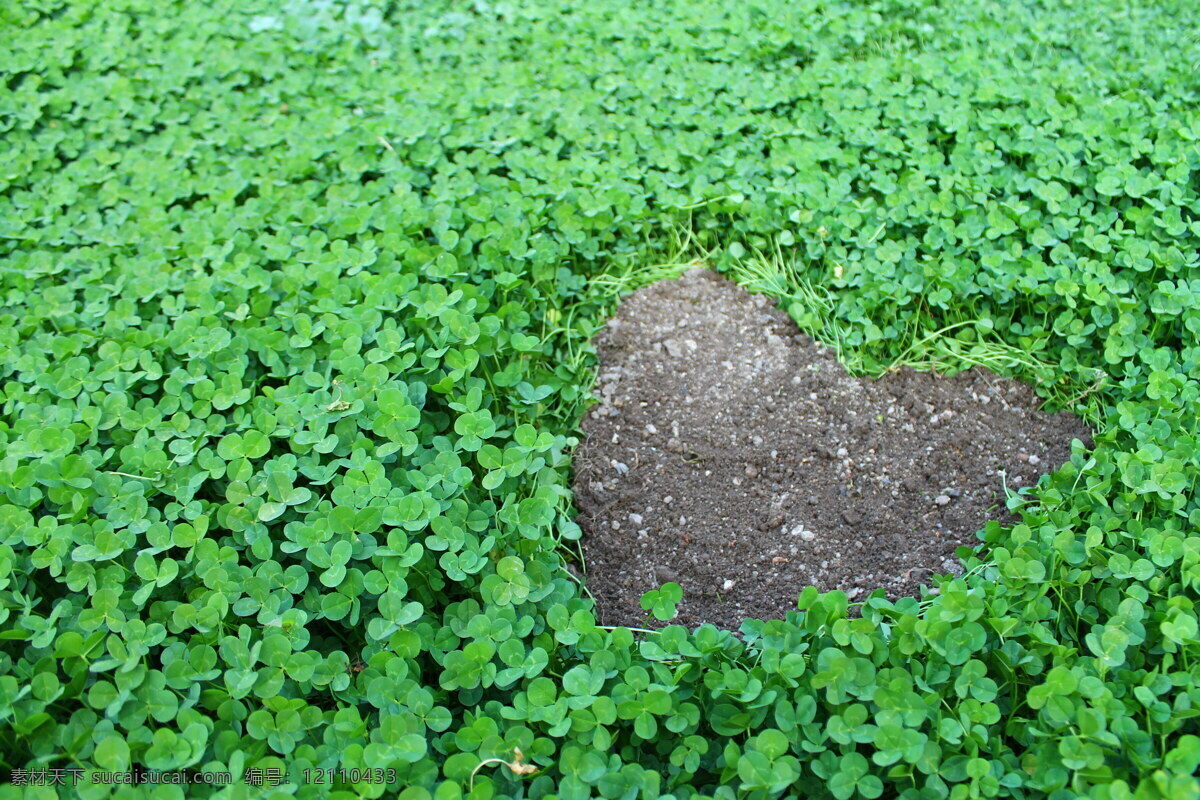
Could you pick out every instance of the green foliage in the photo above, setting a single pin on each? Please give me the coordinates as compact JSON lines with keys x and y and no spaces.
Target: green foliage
{"x":295,"y":302}
{"x":661,"y":602}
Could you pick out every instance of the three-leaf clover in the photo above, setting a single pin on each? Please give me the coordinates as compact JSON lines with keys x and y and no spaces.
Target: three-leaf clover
{"x":661,"y":602}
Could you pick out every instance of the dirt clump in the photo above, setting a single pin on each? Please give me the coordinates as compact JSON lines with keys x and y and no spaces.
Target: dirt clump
{"x":734,"y":455}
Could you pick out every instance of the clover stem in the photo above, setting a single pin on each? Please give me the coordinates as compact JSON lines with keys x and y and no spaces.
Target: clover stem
{"x":481,"y":765}
{"x":128,"y":475}
{"x":615,"y":627}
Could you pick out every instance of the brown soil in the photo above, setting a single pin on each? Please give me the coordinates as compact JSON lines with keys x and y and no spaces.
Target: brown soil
{"x":735,"y":456}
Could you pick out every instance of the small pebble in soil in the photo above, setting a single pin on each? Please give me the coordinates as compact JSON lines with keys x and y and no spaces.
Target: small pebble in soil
{"x":727,"y":585}
{"x":941,"y":500}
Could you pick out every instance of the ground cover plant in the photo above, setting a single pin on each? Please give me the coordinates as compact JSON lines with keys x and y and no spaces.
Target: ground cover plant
{"x":295,"y":302}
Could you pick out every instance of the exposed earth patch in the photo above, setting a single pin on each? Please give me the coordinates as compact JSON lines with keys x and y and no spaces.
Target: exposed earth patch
{"x":734,"y":455}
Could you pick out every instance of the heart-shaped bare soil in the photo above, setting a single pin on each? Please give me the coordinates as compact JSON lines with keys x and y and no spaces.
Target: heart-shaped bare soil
{"x":735,"y":456}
